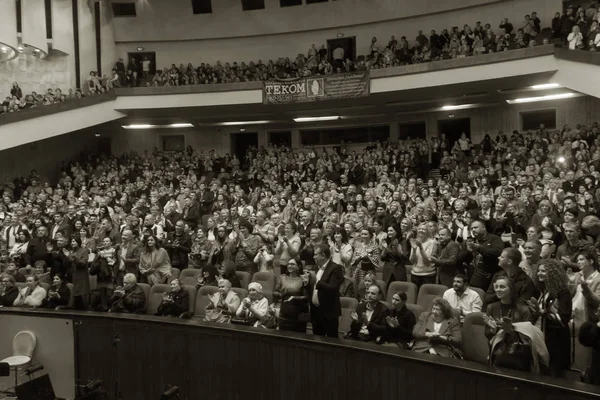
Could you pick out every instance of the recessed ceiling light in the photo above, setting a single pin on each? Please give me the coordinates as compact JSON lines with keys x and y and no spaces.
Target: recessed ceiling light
{"x":457,"y":107}
{"x":138,"y":126}
{"x":541,"y":98}
{"x":180,"y":125}
{"x":234,"y":123}
{"x":545,"y":86}
{"x":314,"y":119}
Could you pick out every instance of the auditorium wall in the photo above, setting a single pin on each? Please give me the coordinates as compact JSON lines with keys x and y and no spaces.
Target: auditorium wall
{"x":196,"y":40}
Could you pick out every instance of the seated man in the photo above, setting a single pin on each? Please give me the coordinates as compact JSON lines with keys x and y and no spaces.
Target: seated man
{"x":463,"y":298}
{"x":11,"y":269}
{"x":8,"y":290}
{"x":128,"y":299}
{"x":32,"y":295}
{"x":175,"y":302}
{"x":400,"y":323}
{"x":369,"y":319}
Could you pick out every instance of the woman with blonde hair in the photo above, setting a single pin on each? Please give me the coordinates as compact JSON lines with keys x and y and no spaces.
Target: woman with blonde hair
{"x":545,"y":214}
{"x":422,"y":248}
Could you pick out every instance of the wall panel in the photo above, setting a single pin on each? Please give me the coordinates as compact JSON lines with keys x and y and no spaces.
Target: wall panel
{"x":8,"y":28}
{"x":33,"y":14}
{"x":62,"y":26}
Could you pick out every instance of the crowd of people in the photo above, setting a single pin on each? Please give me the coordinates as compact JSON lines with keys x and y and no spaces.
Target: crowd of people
{"x":511,"y":229}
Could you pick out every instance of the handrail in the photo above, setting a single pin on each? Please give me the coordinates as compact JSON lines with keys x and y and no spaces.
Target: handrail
{"x":42,"y":111}
{"x":586,"y":57}
{"x":148,"y":323}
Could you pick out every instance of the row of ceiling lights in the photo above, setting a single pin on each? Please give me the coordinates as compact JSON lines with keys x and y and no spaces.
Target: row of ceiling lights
{"x":521,"y":100}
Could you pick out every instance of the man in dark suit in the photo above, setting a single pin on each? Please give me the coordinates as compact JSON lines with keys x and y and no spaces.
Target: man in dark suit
{"x":206,"y":199}
{"x":325,"y":307}
{"x":369,"y":319}
{"x":129,"y":299}
{"x":61,"y":224}
{"x":129,"y":256}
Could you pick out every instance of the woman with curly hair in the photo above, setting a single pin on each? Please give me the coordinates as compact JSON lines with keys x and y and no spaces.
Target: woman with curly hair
{"x":552,"y":313}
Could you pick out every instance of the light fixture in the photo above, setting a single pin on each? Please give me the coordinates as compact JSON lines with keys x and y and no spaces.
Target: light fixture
{"x":315,"y":119}
{"x":545,"y":86}
{"x":181,"y":125}
{"x":20,"y":48}
{"x":242,"y":129}
{"x":340,"y":34}
{"x":560,"y":159}
{"x":140,"y":49}
{"x":4,"y":49}
{"x":457,"y":107}
{"x":37,"y":50}
{"x":235,"y":123}
{"x":138,"y":126}
{"x":541,"y":98}
{"x":97,"y":134}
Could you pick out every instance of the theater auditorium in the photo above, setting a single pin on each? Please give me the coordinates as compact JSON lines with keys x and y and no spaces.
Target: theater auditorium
{"x":299,"y":199}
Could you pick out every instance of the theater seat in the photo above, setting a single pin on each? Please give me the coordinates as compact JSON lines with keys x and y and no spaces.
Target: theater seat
{"x":382,"y":287}
{"x":348,"y":304}
{"x":477,"y":347}
{"x":189,"y":276}
{"x":175,"y":273}
{"x":266,"y":279}
{"x":26,"y":271}
{"x":479,"y":291}
{"x":202,"y":300}
{"x":428,"y":292}
{"x":192,"y":292}
{"x":407,"y":287}
{"x":155,"y":297}
{"x":416,"y":309}
{"x":46,"y":286}
{"x":146,"y":288}
{"x":388,"y":305}
{"x":242,"y":293}
{"x":244,"y":278}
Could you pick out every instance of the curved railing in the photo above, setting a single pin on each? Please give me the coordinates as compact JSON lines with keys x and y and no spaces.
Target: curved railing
{"x":145,"y":353}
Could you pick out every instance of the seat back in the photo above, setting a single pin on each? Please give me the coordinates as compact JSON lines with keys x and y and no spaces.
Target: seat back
{"x":388,"y":305}
{"x":477,"y":347}
{"x":244,"y":278}
{"x":26,"y":271}
{"x":428,"y":292}
{"x":192,"y":293}
{"x":146,"y":288}
{"x":155,"y":297}
{"x":416,"y":309}
{"x":407,"y":287}
{"x":349,"y":304}
{"x":20,"y":285}
{"x":72,"y":297}
{"x":189,"y":276}
{"x":202,"y":300}
{"x":382,"y":288}
{"x":175,"y":273}
{"x":46,"y":286}
{"x":93,"y":282}
{"x":24,"y":344}
{"x":266,"y":279}
{"x":242,"y":293}
{"x":479,"y":291}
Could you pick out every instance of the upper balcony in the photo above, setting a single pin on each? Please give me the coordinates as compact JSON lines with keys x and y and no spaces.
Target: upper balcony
{"x":480,"y":81}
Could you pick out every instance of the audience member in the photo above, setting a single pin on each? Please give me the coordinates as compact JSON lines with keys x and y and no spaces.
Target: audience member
{"x":462,"y":298}
{"x":369,"y":320}
{"x":437,"y":331}
{"x":399,"y":324}
{"x":128,"y":299}
{"x":175,"y":302}
{"x":32,"y":295}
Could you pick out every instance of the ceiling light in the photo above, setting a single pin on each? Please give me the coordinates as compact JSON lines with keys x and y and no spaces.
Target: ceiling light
{"x":242,"y":129}
{"x":20,"y":48}
{"x":140,"y":49}
{"x":545,"y":86}
{"x":457,"y":107}
{"x":234,"y":123}
{"x":138,"y":126}
{"x":181,"y":125}
{"x":37,"y":50}
{"x":4,"y":49}
{"x":541,"y":98}
{"x":314,"y":119}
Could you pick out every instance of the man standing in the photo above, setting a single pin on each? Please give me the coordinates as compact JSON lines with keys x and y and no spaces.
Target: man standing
{"x":509,"y":261}
{"x":129,"y":256}
{"x":447,"y":263}
{"x":178,"y":245}
{"x":325,"y":307}
{"x":484,"y":250}
{"x":462,"y":298}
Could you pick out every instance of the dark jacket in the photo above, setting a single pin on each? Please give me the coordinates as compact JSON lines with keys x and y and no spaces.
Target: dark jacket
{"x":524,"y":287}
{"x":448,"y":263}
{"x":178,"y":248}
{"x":36,"y":250}
{"x":377,"y":324}
{"x":132,"y":257}
{"x":64,"y":296}
{"x":9,"y":296}
{"x":179,"y":305}
{"x":133,"y":301}
{"x":518,"y":313}
{"x":328,"y":290}
{"x":485,"y":260}
{"x":402,"y":334}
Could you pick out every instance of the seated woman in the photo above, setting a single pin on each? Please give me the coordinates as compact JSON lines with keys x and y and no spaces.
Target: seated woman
{"x":500,"y":319}
{"x":175,"y":302}
{"x":293,"y":293}
{"x":32,"y":295}
{"x":224,"y":303}
{"x":254,"y":307}
{"x":437,"y":330}
{"x":59,"y":293}
{"x":40,"y":270}
{"x":208,"y":277}
{"x":400,"y":323}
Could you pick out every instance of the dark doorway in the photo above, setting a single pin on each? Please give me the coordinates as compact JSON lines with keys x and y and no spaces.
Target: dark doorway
{"x":144,"y":64}
{"x":453,"y":128}
{"x":241,"y":142}
{"x":348,"y":45}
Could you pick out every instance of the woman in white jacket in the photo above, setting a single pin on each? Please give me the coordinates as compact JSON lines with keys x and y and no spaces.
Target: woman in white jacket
{"x":32,"y":295}
{"x":575,"y":39}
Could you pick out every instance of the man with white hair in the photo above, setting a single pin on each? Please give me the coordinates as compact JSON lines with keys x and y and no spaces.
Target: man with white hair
{"x":130,"y":298}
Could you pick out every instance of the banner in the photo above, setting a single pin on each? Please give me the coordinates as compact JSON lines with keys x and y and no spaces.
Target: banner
{"x":317,"y":88}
